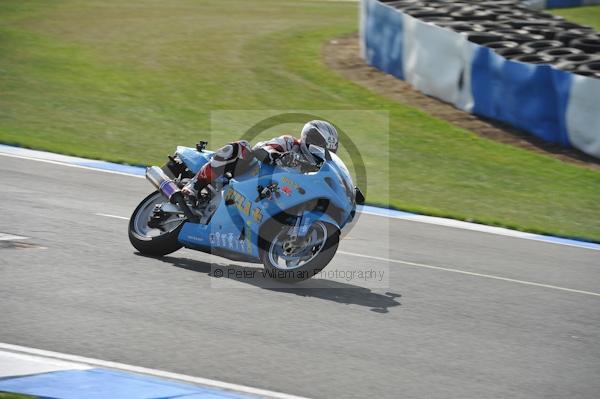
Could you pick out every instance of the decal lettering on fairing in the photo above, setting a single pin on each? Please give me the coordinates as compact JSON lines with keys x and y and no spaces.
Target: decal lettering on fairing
{"x":257,"y":215}
{"x":286,"y":190}
{"x":242,"y":203}
{"x":226,"y":240}
{"x":292,"y":183}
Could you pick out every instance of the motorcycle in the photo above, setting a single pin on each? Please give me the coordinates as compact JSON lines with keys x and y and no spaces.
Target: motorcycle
{"x":287,"y":217}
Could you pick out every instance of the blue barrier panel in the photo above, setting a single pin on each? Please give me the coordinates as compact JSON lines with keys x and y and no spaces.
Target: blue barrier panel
{"x":563,"y":3}
{"x":541,"y":4}
{"x":527,"y":96}
{"x":383,"y":38}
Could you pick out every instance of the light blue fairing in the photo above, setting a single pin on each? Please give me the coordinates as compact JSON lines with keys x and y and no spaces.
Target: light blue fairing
{"x":245,"y":214}
{"x":193,"y":159}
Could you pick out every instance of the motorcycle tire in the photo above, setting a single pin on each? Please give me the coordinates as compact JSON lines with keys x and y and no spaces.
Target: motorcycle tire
{"x":593,"y":66}
{"x":541,"y":45}
{"x":510,"y":31}
{"x":152,"y":245}
{"x":547,"y":33}
{"x":534,"y":59}
{"x":525,"y":23}
{"x":559,"y":52}
{"x":587,"y":44}
{"x":571,"y":62}
{"x":458,"y":8}
{"x":498,"y":5}
{"x":417,"y":8}
{"x":269,"y":234}
{"x":583,"y":31}
{"x":482,"y":37}
{"x":459,"y":26}
{"x":521,"y":38}
{"x":493,"y":25}
{"x":502,"y":44}
{"x":401,"y":5}
{"x":398,"y":4}
{"x":513,"y":52}
{"x":567,"y":25}
{"x":504,"y":15}
{"x":473,"y":16}
{"x":566,"y":36}
{"x":435,"y":20}
{"x":588,"y":74}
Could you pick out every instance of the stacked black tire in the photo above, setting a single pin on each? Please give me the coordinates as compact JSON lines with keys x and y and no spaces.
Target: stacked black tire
{"x":514,"y":31}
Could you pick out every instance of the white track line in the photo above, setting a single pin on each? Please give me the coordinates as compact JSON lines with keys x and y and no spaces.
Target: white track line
{"x":143,"y":370}
{"x":490,"y":276}
{"x":11,"y":237}
{"x":446,"y":269}
{"x":114,"y":172}
{"x":111,"y":216}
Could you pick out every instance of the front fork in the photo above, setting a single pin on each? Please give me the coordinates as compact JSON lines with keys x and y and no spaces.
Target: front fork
{"x":295,"y":230}
{"x":299,"y":229}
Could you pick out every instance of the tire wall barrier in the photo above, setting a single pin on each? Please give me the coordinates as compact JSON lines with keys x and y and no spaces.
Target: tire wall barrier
{"x":552,"y":104}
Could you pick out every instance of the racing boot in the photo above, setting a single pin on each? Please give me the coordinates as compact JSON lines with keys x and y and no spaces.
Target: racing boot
{"x":190,"y":191}
{"x":193,"y":190}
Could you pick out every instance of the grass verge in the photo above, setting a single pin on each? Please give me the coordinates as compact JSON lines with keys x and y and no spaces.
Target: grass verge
{"x":8,"y":395}
{"x":589,"y":15}
{"x":127,"y":82}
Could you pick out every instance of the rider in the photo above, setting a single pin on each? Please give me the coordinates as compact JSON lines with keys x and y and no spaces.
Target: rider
{"x":237,"y":157}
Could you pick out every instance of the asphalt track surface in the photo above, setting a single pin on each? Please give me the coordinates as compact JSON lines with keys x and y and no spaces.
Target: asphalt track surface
{"x":441,"y":324}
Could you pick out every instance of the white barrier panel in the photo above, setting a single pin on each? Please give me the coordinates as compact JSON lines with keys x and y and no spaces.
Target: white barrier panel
{"x":583,"y":114}
{"x":438,"y":62}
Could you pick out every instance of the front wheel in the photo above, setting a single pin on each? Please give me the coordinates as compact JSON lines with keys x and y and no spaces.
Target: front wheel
{"x":154,"y":241}
{"x":290,"y":260}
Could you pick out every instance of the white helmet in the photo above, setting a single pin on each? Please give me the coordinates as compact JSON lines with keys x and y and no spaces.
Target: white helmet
{"x":320,"y":133}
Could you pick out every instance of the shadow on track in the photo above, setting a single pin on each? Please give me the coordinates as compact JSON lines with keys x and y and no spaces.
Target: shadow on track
{"x":329,"y":290}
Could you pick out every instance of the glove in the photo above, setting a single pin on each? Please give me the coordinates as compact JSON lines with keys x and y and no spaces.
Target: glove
{"x":286,"y":159}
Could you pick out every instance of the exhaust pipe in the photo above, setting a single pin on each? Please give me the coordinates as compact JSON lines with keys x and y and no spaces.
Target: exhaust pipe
{"x":161,"y":181}
{"x":169,"y":189}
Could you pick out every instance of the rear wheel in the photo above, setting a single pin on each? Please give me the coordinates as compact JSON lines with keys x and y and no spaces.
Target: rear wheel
{"x":290,"y":260}
{"x":156,"y":241}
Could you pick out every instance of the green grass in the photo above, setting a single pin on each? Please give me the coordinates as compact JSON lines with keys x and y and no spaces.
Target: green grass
{"x":128,"y":81}
{"x":7,"y":395}
{"x":589,"y":15}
